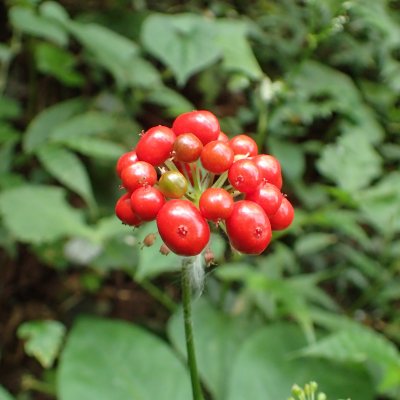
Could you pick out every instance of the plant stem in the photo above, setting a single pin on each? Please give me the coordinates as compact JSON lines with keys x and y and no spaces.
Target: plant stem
{"x":187,"y":316}
{"x":158,"y":294}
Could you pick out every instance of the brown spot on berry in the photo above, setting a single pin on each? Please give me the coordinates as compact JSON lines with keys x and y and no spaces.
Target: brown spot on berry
{"x":182,"y":230}
{"x":239,"y":179}
{"x":258,"y":232}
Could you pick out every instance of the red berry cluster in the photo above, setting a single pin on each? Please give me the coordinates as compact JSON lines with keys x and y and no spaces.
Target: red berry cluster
{"x":202,"y":176}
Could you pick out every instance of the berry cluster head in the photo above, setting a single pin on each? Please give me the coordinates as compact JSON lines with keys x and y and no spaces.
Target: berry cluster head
{"x":191,"y":174}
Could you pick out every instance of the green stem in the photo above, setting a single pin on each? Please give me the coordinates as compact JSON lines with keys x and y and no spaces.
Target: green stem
{"x":187,"y":316}
{"x":262,"y":125}
{"x":221,"y":180}
{"x":158,"y":294}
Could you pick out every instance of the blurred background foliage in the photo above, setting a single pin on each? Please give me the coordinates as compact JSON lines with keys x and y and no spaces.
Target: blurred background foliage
{"x":316,"y":83}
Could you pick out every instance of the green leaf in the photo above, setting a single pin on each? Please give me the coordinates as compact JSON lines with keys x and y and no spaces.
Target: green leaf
{"x":25,"y":20}
{"x":9,"y":108}
{"x":217,"y":337}
{"x":113,"y":51}
{"x":381,"y":204}
{"x":184,"y":42}
{"x":94,"y":147}
{"x":43,"y":340}
{"x":53,"y":10}
{"x":313,"y":243}
{"x":41,"y":127}
{"x":4,"y":395}
{"x":88,"y":123}
{"x":351,"y":162}
{"x":174,"y":102}
{"x":36,"y":213}
{"x":237,"y":53}
{"x":58,"y":63}
{"x":265,"y":369}
{"x":106,"y":359}
{"x":151,"y":262}
{"x":291,"y":156}
{"x":360,"y":345}
{"x":66,"y":167}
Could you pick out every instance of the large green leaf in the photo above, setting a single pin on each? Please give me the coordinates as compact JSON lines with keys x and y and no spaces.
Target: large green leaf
{"x":85,"y":124}
{"x":218,"y":338}
{"x":184,"y":42}
{"x":25,"y":20}
{"x":9,"y":108}
{"x":361,"y":345}
{"x":266,"y":368}
{"x":41,"y":127}
{"x":57,"y":62}
{"x":36,"y":213}
{"x":4,"y":395}
{"x":237,"y":53}
{"x":351,"y":162}
{"x":94,"y":147}
{"x":43,"y":340}
{"x":106,"y":359}
{"x":381,"y":204}
{"x":116,"y":53}
{"x":291,"y":157}
{"x":66,"y":167}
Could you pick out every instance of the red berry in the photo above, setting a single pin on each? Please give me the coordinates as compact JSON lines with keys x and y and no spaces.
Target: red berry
{"x":244,"y":175}
{"x":146,"y":202}
{"x":248,"y":228}
{"x":187,"y":148}
{"x":270,"y":169}
{"x":217,"y":157}
{"x":216,"y":204}
{"x":125,"y":160}
{"x":124,"y":211}
{"x":243,"y":144}
{"x":155,"y":145}
{"x":182,"y":227}
{"x":139,"y":174}
{"x":222,"y":137}
{"x":173,"y":184}
{"x":268,"y":196}
{"x":202,"y":124}
{"x":283,"y":217}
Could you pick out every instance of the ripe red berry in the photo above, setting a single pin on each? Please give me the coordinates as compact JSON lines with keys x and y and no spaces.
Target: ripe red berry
{"x":202,"y":124}
{"x":124,"y":211}
{"x":244,"y":175}
{"x":187,"y":148}
{"x":125,"y":160}
{"x":243,"y":144}
{"x":173,"y":184}
{"x":222,"y":137}
{"x":217,"y":157}
{"x":270,"y":169}
{"x":268,"y":196}
{"x":155,"y":145}
{"x":139,"y":174}
{"x":146,"y":202}
{"x":182,"y":228}
{"x":248,"y":228}
{"x":216,"y":204}
{"x":283,"y":217}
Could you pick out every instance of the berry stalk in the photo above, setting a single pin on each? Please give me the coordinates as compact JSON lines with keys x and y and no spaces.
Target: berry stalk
{"x":187,"y":316}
